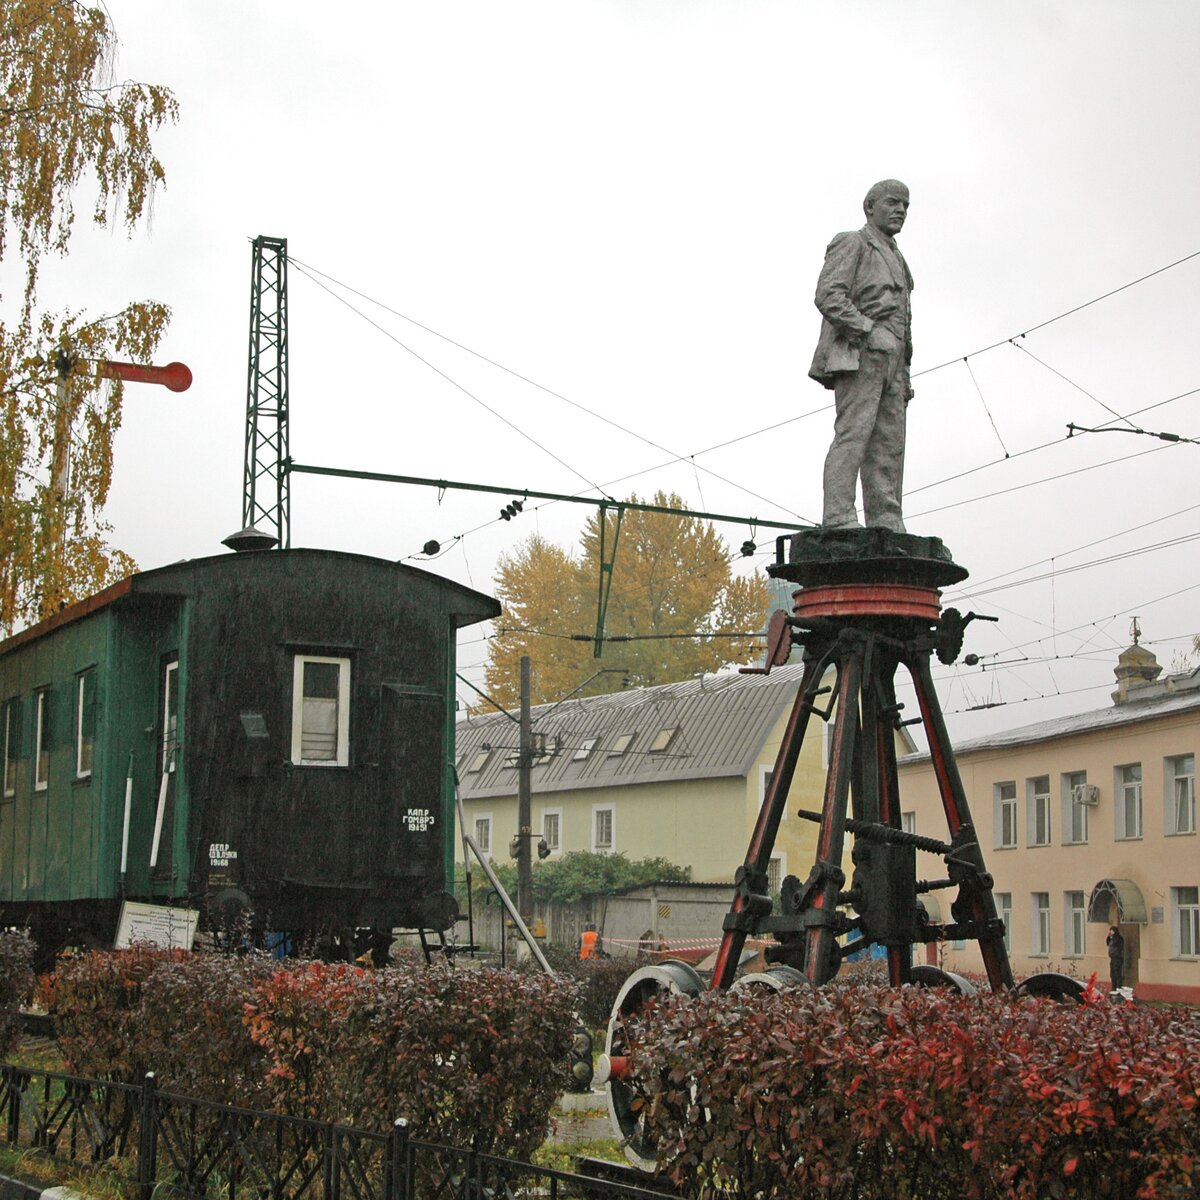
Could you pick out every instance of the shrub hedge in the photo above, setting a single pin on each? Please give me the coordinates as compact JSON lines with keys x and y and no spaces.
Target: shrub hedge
{"x":472,"y":1058}
{"x":872,"y":1094}
{"x":16,"y":984}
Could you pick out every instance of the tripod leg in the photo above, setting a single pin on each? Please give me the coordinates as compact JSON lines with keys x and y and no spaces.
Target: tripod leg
{"x":827,"y":871}
{"x":762,"y":841}
{"x":981,"y":904}
{"x":879,"y":700}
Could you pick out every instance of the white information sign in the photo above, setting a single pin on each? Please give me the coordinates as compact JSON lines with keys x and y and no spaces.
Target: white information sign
{"x":156,"y":925}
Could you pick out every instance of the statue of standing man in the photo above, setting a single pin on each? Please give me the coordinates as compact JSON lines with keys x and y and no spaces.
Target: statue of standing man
{"x":863,"y":354}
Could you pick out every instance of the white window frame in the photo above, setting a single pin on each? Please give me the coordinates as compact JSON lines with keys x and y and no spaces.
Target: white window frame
{"x":556,"y":845}
{"x":1074,"y":924}
{"x":1127,"y":787}
{"x":777,"y":866}
{"x":170,"y":733}
{"x":1004,"y":814}
{"x":1185,"y":922}
{"x":585,"y":749}
{"x":84,"y":682}
{"x":1075,"y":813}
{"x":1039,"y":939}
{"x":8,"y":767}
{"x":1038,"y":800}
{"x":484,"y":844}
{"x":342,"y":756}
{"x":1004,"y":911}
{"x":908,"y":821}
{"x":41,"y":729}
{"x":1179,"y":795}
{"x":611,"y":810}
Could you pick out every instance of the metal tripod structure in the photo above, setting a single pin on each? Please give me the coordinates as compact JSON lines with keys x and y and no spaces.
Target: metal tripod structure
{"x":868,"y":602}
{"x":864,"y":630}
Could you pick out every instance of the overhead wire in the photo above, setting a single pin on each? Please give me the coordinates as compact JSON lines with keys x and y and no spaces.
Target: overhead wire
{"x":592,"y":485}
{"x":675,"y":457}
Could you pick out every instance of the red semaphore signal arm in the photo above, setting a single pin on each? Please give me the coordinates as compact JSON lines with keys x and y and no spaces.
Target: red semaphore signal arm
{"x":175,"y":377}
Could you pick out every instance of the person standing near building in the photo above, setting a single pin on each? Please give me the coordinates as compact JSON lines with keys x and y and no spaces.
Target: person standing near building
{"x":1116,"y":957}
{"x":863,"y":355}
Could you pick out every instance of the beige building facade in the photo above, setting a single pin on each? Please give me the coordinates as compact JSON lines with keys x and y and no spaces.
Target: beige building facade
{"x":677,"y":771}
{"x":1086,"y":822}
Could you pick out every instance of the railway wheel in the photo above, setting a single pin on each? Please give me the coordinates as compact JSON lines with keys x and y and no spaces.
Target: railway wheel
{"x":625,"y":1106}
{"x":925,"y":975}
{"x":1051,"y":985}
{"x":779,"y":978}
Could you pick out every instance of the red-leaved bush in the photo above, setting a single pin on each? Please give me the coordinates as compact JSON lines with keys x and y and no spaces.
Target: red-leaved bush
{"x":873,"y":1094}
{"x":471,"y":1058}
{"x":16,"y":983}
{"x":96,"y":999}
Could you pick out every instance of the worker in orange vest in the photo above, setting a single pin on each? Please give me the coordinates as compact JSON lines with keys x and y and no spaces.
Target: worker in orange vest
{"x":588,"y":943}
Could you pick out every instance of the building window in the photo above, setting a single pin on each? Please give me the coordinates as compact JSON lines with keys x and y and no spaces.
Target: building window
{"x":1185,"y":905}
{"x":776,"y":870}
{"x":623,"y":742}
{"x":483,"y":835}
{"x":321,"y":711}
{"x":1004,"y":808}
{"x":1076,"y":801}
{"x":478,"y":762}
{"x":662,"y":739}
{"x":603,"y":834}
{"x":552,"y":828}
{"x":1037,"y":791}
{"x":1004,"y":912}
{"x":1129,"y":801}
{"x":85,"y":723}
{"x":585,"y":749}
{"x":1075,"y":908}
{"x":1040,"y":941}
{"x":908,"y":822}
{"x":12,"y":742}
{"x":1181,"y":794}
{"x":41,"y":741}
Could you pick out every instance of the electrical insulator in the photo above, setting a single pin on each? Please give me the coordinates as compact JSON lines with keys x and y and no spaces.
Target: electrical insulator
{"x":431,"y":547}
{"x":748,"y":548}
{"x":543,"y":848}
{"x":511,"y":509}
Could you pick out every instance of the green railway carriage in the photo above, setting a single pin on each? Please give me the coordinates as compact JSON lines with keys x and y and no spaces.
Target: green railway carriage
{"x":264,"y":736}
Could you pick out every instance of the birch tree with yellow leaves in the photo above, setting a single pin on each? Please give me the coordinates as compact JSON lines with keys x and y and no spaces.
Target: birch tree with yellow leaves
{"x":674,"y":596}
{"x":66,"y":123}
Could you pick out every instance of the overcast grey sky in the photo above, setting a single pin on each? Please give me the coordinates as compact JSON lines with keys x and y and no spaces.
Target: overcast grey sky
{"x":627,"y":203}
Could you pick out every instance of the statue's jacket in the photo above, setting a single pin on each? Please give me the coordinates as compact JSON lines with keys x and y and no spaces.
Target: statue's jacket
{"x":864,"y":281}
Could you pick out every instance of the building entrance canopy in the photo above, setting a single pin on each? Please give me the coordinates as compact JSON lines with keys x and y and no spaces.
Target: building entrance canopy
{"x":1131,"y":908}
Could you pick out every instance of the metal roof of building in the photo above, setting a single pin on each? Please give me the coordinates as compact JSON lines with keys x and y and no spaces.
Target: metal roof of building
{"x":720,"y":724}
{"x":1097,"y":720}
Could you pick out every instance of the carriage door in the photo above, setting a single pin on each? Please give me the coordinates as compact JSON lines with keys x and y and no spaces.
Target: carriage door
{"x":411,"y":761}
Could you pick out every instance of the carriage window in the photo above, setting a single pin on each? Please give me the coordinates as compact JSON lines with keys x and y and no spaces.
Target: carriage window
{"x":85,"y":723}
{"x":41,"y":741}
{"x":170,"y":717}
{"x":321,"y":711}
{"x":11,"y":733}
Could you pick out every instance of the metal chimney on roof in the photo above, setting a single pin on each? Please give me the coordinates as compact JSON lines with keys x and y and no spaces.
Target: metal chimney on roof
{"x":249,"y":539}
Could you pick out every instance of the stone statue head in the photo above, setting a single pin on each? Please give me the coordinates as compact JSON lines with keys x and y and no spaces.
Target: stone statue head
{"x":886,"y":206}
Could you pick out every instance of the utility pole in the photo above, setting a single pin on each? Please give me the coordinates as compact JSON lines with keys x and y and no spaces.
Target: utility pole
{"x":524,"y":819}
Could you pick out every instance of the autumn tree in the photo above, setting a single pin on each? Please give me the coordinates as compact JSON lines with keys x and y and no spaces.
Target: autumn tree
{"x":674,"y":594}
{"x":64,"y":122}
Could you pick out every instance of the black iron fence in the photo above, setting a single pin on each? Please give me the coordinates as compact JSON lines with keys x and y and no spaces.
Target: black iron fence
{"x":164,"y":1146}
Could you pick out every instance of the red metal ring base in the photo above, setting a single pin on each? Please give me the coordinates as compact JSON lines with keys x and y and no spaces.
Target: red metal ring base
{"x":868,"y":600}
